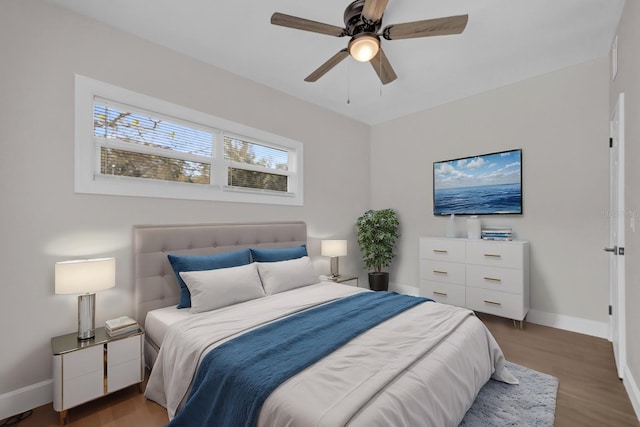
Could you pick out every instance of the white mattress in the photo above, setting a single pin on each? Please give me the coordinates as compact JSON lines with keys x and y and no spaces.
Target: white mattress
{"x":158,"y":322}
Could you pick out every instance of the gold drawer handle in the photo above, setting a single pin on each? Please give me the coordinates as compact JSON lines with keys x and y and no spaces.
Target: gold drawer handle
{"x":440,"y":272}
{"x":440,"y":251}
{"x":442,"y":294}
{"x":493,"y":303}
{"x":492,"y":279}
{"x":493,"y":255}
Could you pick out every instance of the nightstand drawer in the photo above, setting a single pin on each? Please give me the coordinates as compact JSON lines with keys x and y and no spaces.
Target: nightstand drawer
{"x":123,"y":350}
{"x":82,"y":389}
{"x":442,"y":249}
{"x":494,"y":278}
{"x":83,"y":362}
{"x":494,"y":302}
{"x":495,"y":254}
{"x":124,"y":375}
{"x":441,"y":271}
{"x":443,"y":292}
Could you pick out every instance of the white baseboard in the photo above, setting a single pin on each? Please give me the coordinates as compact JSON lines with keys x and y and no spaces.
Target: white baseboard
{"x":633,"y":391}
{"x":29,"y":397}
{"x":569,"y":323}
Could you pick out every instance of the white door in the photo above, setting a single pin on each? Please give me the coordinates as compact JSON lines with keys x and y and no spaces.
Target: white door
{"x":616,"y":237}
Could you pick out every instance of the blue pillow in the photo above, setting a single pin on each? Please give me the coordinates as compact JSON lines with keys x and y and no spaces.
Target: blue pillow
{"x":281,"y":254}
{"x":204,"y":262}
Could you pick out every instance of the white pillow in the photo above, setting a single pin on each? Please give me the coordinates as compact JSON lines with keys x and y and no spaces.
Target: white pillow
{"x":211,"y":289}
{"x":285,"y":275}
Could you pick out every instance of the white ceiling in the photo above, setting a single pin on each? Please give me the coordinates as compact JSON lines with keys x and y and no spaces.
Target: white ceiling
{"x":504,"y":42}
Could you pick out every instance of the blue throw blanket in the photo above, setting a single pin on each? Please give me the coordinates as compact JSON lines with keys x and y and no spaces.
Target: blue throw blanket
{"x":235,"y":379}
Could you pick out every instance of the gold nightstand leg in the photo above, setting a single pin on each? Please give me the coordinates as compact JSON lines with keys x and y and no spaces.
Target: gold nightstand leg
{"x":63,"y":418}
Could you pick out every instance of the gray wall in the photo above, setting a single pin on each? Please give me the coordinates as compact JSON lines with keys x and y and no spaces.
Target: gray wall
{"x":627,"y":81}
{"x":561,"y":122}
{"x":43,"y":221}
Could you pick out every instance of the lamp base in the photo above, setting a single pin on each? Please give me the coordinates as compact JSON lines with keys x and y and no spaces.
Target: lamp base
{"x":335,"y":266}
{"x":86,"y":316}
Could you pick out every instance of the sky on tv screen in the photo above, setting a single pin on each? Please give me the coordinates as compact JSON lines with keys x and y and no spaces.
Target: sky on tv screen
{"x":491,"y":169}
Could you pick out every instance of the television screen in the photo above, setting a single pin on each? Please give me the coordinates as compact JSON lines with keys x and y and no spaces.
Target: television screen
{"x":487,"y":184}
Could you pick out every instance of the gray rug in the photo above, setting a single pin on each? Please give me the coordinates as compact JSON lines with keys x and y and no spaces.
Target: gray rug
{"x":531,"y":403}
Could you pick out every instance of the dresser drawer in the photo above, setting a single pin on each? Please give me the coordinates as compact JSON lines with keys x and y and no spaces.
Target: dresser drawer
{"x":499,"y":303}
{"x":442,"y":271}
{"x":442,"y":249}
{"x":446,"y":293}
{"x":496,"y":254}
{"x":495,"y":278}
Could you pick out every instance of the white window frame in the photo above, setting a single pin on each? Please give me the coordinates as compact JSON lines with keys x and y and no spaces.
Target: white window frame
{"x":88,"y":178}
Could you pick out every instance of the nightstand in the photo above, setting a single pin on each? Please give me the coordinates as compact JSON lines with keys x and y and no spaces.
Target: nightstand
{"x":86,"y":370}
{"x":345,"y":280}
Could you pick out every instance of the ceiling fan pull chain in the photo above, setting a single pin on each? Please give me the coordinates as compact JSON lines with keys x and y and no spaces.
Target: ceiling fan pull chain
{"x":349,"y":82}
{"x":380,"y":73}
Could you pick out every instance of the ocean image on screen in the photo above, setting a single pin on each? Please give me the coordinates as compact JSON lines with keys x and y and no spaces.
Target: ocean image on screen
{"x":487,"y":184}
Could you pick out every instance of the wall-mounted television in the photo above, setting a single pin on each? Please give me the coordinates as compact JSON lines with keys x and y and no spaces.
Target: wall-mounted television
{"x":487,"y":184}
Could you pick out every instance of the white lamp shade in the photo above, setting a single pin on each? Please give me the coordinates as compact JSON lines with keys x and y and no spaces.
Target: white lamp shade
{"x":85,"y":276}
{"x":333,"y":247}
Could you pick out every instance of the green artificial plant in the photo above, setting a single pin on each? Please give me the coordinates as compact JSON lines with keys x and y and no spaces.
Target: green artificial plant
{"x":377,"y":232}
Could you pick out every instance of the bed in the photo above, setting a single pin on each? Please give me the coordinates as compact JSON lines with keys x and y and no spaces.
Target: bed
{"x":423,"y":365}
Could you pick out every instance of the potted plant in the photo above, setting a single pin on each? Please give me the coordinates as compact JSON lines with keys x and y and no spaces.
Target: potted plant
{"x":377,"y":232}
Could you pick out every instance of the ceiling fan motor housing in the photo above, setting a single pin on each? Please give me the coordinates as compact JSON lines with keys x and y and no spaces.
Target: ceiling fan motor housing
{"x":355,"y":23}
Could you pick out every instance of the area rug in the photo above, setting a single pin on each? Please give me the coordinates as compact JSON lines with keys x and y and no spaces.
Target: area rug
{"x":530,"y":403}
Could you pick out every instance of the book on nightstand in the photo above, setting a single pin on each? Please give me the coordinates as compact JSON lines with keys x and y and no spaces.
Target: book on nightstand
{"x":120,"y":325}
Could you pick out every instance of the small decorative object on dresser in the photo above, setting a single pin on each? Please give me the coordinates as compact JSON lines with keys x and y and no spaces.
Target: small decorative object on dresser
{"x":451,"y":226}
{"x":473,"y":227}
{"x":486,"y":276}
{"x":86,"y":370}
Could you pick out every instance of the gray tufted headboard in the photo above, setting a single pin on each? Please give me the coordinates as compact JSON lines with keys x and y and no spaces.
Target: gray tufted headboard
{"x":154,"y":280}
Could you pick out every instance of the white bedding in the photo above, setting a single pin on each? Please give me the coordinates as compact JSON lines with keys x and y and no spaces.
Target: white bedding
{"x":423,"y":367}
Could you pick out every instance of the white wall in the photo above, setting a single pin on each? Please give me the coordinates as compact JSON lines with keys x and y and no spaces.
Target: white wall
{"x":44,"y":221}
{"x":627,"y":81}
{"x":561,"y":122}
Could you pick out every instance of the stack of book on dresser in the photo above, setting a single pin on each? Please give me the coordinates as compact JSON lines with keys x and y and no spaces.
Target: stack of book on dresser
{"x":121,"y":325}
{"x":497,"y":233}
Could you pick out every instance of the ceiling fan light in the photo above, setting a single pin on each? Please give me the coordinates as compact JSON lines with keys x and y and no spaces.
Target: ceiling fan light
{"x":364,"y":47}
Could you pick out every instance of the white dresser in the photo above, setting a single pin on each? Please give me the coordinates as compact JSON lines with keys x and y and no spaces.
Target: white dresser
{"x":483,"y":275}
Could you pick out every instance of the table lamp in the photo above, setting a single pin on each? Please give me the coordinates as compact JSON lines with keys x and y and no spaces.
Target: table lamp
{"x":333,"y":249}
{"x":85,"y":277}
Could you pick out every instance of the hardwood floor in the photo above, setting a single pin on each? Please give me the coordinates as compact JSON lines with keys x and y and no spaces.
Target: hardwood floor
{"x":589,"y":394}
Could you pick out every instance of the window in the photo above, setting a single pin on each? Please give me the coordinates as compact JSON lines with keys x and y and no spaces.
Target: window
{"x":131,"y":144}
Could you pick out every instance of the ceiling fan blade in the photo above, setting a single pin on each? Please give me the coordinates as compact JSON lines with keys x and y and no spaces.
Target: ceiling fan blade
{"x":373,"y":9}
{"x":383,"y":67}
{"x":426,"y":28}
{"x":332,"y":62}
{"x":306,"y":25}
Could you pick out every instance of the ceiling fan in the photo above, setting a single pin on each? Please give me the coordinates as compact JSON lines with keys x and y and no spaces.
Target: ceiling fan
{"x":363,"y":20}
